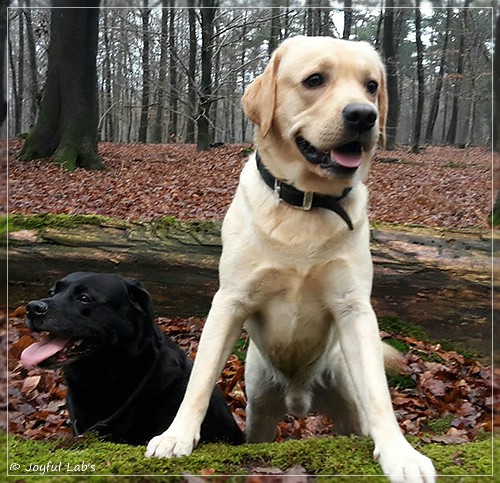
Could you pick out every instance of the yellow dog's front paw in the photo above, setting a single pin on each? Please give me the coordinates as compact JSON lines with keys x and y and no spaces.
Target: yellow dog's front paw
{"x":406,"y":465}
{"x":169,"y":445}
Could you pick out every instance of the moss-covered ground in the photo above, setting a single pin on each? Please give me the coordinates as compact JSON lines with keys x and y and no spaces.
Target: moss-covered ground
{"x":338,"y":455}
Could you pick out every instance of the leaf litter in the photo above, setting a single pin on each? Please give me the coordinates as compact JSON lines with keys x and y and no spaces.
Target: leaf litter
{"x":449,"y":401}
{"x":444,"y":186}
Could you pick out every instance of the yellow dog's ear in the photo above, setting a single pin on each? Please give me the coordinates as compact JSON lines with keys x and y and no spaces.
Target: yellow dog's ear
{"x":259,"y":98}
{"x":383,"y":105}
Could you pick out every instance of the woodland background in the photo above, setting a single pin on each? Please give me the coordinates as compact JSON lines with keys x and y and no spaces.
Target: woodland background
{"x":176,"y":75}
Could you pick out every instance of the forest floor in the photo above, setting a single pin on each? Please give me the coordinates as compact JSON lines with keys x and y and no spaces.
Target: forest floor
{"x":442,"y":187}
{"x":443,"y":397}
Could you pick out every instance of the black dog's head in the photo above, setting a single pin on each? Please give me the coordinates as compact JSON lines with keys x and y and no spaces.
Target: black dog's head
{"x":84,"y":313}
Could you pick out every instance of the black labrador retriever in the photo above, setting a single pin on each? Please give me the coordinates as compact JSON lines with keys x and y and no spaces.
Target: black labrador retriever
{"x":125,"y":378}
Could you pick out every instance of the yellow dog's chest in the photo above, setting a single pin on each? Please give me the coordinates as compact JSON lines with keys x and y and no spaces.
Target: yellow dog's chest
{"x":292,"y":327}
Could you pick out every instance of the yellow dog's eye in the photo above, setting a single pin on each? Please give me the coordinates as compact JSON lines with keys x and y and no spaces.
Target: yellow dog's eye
{"x":313,"y":81}
{"x":372,"y":87}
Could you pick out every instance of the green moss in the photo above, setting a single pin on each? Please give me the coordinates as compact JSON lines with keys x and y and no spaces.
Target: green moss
{"x":398,"y":345}
{"x":18,"y":222}
{"x":4,"y":226}
{"x":441,"y":425}
{"x":429,"y":356}
{"x":170,"y":222}
{"x":400,"y":381}
{"x":460,"y":348}
{"x":240,"y":349}
{"x":71,"y":155}
{"x":324,"y":456}
{"x":494,"y":220}
{"x":464,"y":459}
{"x":395,"y":325}
{"x":66,"y":157}
{"x":248,"y":151}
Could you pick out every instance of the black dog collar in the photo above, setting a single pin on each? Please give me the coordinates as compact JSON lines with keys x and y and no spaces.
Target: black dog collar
{"x":300,"y":199}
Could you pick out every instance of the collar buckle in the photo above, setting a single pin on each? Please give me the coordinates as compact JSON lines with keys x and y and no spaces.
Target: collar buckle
{"x":277,"y":187}
{"x":307,"y":200}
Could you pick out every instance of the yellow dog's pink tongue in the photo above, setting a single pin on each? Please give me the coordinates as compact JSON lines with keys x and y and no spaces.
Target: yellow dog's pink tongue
{"x":346,"y":159}
{"x":39,"y":351}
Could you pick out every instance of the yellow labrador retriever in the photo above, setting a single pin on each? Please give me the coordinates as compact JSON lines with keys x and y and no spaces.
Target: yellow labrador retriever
{"x":296,"y":266}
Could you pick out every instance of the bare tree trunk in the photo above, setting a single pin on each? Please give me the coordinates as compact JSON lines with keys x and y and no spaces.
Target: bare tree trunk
{"x":15,"y":94}
{"x":143,"y":126}
{"x":173,"y":95}
{"x":451,"y":138}
{"x":243,"y":86}
{"x":67,"y":122}
{"x":417,"y":127}
{"x":35,"y":104}
{"x":108,"y":117}
{"x":380,"y":22}
{"x":439,"y":83}
{"x":275,"y":26}
{"x":495,"y":215}
{"x":156,"y":135}
{"x":20,"y":77}
{"x":190,"y":124}
{"x":205,"y":98}
{"x":390,"y":55}
{"x":347,"y":19}
{"x":472,"y":116}
{"x":496,"y":87}
{"x":445,"y":117}
{"x":312,"y":17}
{"x":3,"y":38}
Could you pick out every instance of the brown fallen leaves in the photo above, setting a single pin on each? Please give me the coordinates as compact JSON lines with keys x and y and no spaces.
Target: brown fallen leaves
{"x":449,"y":401}
{"x":443,"y":186}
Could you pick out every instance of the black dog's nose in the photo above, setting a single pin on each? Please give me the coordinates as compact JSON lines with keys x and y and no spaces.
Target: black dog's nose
{"x":36,"y":308}
{"x":359,"y":117}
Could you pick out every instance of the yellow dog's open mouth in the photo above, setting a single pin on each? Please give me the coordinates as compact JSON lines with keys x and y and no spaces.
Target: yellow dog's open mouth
{"x":347,"y":157}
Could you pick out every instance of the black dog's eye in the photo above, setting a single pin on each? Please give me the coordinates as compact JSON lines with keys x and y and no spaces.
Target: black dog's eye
{"x":52,"y":292}
{"x":372,"y":87}
{"x":84,"y":298}
{"x":313,"y":81}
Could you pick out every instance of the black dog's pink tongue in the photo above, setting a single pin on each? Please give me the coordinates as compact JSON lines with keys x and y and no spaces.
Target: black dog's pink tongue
{"x":39,"y":351}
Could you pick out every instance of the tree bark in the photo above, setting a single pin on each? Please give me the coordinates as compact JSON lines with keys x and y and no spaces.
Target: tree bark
{"x":108,"y":117}
{"x":33,"y":63}
{"x":205,"y":99}
{"x":13,"y":70}
{"x":451,"y":137}
{"x":172,"y":73}
{"x":190,"y":124}
{"x":3,"y":39}
{"x":496,"y":87}
{"x":439,"y":83}
{"x":156,"y":135}
{"x":390,"y":55}
{"x":143,"y":126}
{"x":495,"y":218}
{"x":20,"y":77}
{"x":347,"y":19}
{"x":417,"y":127}
{"x":244,"y":121}
{"x":67,"y":122}
{"x":275,"y":26}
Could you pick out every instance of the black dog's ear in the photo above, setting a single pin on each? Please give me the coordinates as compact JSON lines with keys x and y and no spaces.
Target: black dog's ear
{"x":140,"y":298}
